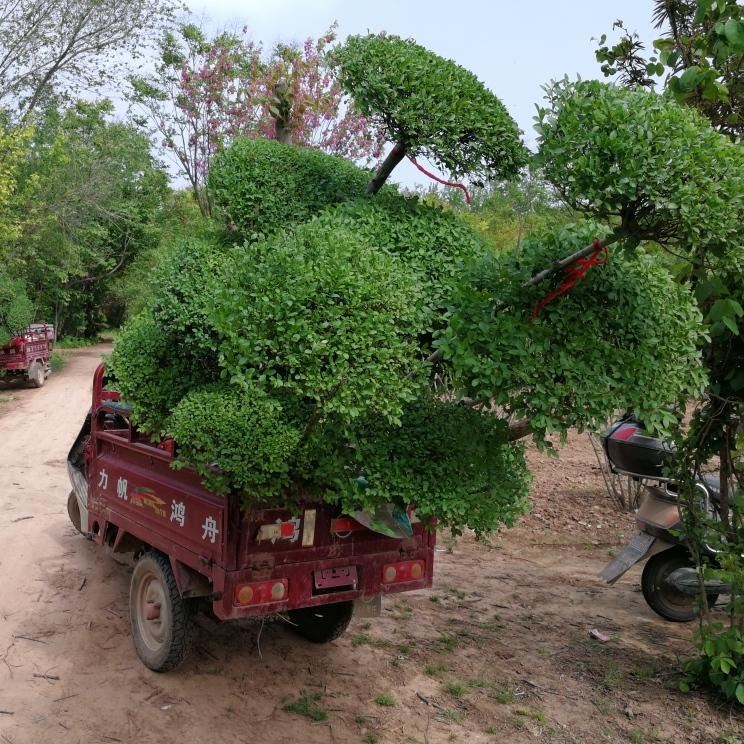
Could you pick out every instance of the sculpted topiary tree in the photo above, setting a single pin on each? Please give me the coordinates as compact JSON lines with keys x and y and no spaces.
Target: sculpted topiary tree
{"x":429,"y":106}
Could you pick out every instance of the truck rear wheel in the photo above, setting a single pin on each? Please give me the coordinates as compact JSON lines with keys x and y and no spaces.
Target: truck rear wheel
{"x":161,"y":619}
{"x":322,"y":624}
{"x":73,"y":512}
{"x":36,"y":374}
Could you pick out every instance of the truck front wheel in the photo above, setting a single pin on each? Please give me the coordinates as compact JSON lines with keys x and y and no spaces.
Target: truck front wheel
{"x":322,"y":624}
{"x":161,"y":619}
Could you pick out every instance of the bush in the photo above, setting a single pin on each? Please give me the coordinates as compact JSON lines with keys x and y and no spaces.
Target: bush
{"x":150,"y":374}
{"x":450,"y":463}
{"x":317,"y":314}
{"x":16,"y":309}
{"x":435,"y":244}
{"x":634,"y":155}
{"x":625,"y":337}
{"x":262,"y":186}
{"x":235,"y":439}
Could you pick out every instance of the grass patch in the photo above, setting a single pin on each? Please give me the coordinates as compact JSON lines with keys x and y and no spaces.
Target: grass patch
{"x":57,"y":361}
{"x":434,"y":670}
{"x":613,"y":678}
{"x":73,"y":342}
{"x":457,"y":689}
{"x":504,"y":695}
{"x":456,"y":716}
{"x":307,"y":706}
{"x":370,"y":738}
{"x":479,"y":684}
{"x":446,"y":643}
{"x":385,"y":700}
{"x":534,"y":715}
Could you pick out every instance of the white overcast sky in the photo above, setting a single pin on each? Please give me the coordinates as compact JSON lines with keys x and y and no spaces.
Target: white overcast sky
{"x":513,"y":47}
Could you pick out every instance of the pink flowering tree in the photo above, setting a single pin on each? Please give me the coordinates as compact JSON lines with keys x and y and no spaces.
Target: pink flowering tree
{"x":206,"y":92}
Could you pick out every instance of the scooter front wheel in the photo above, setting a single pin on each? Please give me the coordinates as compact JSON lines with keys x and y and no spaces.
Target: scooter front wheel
{"x":661,"y":596}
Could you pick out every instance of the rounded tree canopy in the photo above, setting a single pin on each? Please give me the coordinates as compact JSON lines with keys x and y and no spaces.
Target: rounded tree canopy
{"x":16,"y":309}
{"x":261,"y":186}
{"x":431,"y":106}
{"x":626,"y":337}
{"x":635,"y":156}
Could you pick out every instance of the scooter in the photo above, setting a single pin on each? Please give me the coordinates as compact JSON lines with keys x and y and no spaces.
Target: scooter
{"x":669,"y":581}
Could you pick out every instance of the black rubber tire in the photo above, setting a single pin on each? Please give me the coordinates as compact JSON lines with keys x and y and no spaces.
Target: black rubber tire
{"x":73,"y":511}
{"x":322,"y":624}
{"x":36,"y":375}
{"x":663,"y":598}
{"x":162,"y":643}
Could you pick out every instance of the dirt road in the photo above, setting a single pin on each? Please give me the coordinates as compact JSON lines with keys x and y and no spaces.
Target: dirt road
{"x":499,"y":651}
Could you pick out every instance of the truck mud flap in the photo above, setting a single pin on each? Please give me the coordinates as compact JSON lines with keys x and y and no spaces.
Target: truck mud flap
{"x":76,"y":471}
{"x":636,"y":550}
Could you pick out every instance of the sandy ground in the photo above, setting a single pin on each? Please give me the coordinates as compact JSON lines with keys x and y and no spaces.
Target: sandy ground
{"x":498,"y":651}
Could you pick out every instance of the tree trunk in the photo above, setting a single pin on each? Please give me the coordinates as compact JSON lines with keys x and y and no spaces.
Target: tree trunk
{"x":383,"y":172}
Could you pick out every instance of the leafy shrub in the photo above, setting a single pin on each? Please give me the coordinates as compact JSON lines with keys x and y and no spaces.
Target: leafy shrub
{"x":451,"y":463}
{"x":431,"y":105}
{"x":150,"y":375}
{"x":262,"y":186}
{"x":235,"y":438}
{"x":625,"y":337}
{"x":16,"y":309}
{"x":641,"y":157}
{"x":434,"y":243}
{"x":317,"y":314}
{"x":183,"y":288}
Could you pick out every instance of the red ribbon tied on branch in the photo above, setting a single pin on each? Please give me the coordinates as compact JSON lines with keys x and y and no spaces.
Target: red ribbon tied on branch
{"x":441,"y":180}
{"x":575,"y":272}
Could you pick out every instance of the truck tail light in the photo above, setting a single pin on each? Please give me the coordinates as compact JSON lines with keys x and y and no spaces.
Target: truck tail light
{"x":394,"y":573}
{"x":262,"y":592}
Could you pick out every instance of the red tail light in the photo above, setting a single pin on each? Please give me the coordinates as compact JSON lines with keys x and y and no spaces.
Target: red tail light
{"x":394,"y":573}
{"x":262,"y":592}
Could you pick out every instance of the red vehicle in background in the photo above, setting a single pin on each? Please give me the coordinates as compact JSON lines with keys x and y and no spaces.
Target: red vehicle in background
{"x":312,"y":566}
{"x":27,"y":354}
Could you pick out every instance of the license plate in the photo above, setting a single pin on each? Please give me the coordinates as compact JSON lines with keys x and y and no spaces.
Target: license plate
{"x":329,"y":578}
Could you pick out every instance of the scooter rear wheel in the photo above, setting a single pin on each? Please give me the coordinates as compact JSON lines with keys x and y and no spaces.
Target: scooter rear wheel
{"x":662,"y":597}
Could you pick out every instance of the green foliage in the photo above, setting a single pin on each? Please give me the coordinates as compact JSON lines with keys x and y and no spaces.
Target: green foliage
{"x":307,"y":705}
{"x":261,"y":186}
{"x":234,"y":438}
{"x":721,"y":663}
{"x":88,"y":199}
{"x":16,"y":309}
{"x":184,"y":287}
{"x":150,"y":374}
{"x":701,"y":50}
{"x":643,"y":160}
{"x":449,"y":462}
{"x":625,"y":337}
{"x":316,"y":314}
{"x":431,"y":105}
{"x":434,"y":243}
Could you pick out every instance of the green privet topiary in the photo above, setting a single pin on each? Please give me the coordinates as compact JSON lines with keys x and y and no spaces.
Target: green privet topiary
{"x":641,"y":159}
{"x":183,"y":289}
{"x":165,"y":351}
{"x":317,"y":314}
{"x":450,"y":463}
{"x":434,"y":244}
{"x":235,"y":438}
{"x":626,"y":337}
{"x":261,"y":186}
{"x":429,"y":106}
{"x":16,"y":309}
{"x":150,"y":374}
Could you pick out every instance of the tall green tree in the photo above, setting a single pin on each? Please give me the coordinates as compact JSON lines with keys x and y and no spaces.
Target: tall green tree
{"x":89,"y":195}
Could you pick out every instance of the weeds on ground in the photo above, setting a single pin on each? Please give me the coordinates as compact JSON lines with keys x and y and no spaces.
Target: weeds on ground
{"x":385,"y":700}
{"x":457,"y":689}
{"x":307,"y":706}
{"x":434,"y":670}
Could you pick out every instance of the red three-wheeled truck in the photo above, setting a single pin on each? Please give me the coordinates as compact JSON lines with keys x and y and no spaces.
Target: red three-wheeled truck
{"x":313,"y":567}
